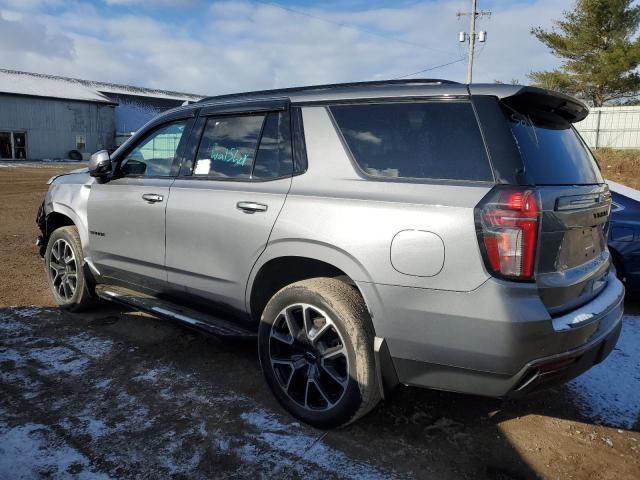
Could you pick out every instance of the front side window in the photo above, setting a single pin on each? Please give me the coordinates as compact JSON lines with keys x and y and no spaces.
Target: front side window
{"x":228,"y":146}
{"x":154,"y":156}
{"x":435,"y":140}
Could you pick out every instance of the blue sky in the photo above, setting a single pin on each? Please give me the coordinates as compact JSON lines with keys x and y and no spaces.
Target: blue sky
{"x":224,"y":46}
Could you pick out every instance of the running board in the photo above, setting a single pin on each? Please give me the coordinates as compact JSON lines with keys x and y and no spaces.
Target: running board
{"x":171,"y":311}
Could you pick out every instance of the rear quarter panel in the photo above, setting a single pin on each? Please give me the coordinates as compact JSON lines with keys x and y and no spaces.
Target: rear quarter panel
{"x":336,"y":213}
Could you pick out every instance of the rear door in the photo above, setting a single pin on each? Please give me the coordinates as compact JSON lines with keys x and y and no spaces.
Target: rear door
{"x":222,"y":208}
{"x":572,"y":256}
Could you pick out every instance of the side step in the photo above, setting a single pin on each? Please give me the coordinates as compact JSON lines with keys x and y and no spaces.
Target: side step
{"x":171,"y":311}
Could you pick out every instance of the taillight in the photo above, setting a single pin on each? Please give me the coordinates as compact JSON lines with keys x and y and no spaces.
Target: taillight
{"x":507,"y":224}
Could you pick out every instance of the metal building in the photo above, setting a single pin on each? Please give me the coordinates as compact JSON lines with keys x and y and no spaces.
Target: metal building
{"x":44,"y":116}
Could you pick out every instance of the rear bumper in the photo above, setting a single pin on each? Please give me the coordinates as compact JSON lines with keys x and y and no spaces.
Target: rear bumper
{"x":497,"y":341}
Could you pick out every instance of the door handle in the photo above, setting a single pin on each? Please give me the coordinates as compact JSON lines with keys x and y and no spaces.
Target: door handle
{"x":251,"y":207}
{"x":152,"y":197}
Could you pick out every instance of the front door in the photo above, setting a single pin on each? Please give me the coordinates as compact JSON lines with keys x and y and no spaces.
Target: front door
{"x":221,"y":213}
{"x":126,"y":216}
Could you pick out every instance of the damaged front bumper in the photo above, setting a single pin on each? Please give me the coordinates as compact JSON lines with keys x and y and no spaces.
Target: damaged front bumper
{"x":41,"y":221}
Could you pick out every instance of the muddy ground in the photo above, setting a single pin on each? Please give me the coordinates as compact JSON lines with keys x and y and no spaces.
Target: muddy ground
{"x":115,"y":394}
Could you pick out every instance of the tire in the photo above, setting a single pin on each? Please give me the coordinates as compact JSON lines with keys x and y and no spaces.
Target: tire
{"x":75,"y":155}
{"x":64,"y":262}
{"x":324,"y":375}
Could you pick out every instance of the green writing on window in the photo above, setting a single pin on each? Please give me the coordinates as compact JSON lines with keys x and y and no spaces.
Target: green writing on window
{"x":230,"y":155}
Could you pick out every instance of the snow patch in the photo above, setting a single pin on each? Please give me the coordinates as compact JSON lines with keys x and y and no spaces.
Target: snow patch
{"x":58,"y":359}
{"x":102,"y":384}
{"x":292,"y":440}
{"x":41,"y":85}
{"x":152,"y":375}
{"x":60,"y":160}
{"x":609,"y":391}
{"x":90,"y":345}
{"x":28,"y":451}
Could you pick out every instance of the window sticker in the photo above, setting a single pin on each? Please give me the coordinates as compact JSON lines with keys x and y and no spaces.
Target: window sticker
{"x":203,"y":166}
{"x":230,"y":155}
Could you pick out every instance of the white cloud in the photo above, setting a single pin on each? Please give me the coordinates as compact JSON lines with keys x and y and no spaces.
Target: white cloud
{"x":149,"y":3}
{"x":234,"y":46}
{"x":20,"y":38}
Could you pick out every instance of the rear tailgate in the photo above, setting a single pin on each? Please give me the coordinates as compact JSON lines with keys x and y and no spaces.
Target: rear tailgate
{"x":573,"y":260}
{"x":533,"y":143}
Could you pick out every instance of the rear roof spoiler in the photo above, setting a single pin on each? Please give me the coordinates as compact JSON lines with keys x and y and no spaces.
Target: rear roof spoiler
{"x":567,"y":107}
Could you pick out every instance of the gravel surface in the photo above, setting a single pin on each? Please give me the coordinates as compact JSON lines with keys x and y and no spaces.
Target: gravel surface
{"x":118,"y":394}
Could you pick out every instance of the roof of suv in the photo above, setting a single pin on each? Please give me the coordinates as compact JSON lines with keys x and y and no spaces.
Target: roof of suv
{"x":374,"y":89}
{"x":571,"y":108}
{"x":328,"y":91}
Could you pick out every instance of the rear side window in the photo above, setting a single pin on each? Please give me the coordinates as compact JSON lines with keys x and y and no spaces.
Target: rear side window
{"x":274,"y":158}
{"x":552,"y":151}
{"x":228,"y":146}
{"x":251,"y":146}
{"x":435,"y":140}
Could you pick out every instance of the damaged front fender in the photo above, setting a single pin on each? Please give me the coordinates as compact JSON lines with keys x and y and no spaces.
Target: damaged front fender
{"x":41,"y":221}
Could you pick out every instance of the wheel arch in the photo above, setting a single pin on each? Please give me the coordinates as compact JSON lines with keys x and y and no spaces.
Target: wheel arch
{"x":307,"y":260}
{"x":291,"y":261}
{"x":62,"y":215}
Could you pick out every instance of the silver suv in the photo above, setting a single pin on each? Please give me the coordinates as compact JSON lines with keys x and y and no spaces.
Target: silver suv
{"x":423,"y":232}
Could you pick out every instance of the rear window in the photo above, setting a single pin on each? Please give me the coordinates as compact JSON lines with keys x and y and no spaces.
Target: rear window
{"x":435,"y":140}
{"x":552,"y":151}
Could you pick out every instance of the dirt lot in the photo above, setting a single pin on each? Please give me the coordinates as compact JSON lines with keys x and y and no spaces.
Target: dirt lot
{"x":114,"y":394}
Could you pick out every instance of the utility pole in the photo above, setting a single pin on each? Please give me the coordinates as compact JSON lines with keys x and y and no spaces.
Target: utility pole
{"x":481,"y":37}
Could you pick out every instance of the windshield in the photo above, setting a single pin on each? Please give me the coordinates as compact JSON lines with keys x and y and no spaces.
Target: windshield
{"x":552,"y":151}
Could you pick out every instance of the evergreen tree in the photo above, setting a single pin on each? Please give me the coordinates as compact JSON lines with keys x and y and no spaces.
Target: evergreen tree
{"x":596,"y":41}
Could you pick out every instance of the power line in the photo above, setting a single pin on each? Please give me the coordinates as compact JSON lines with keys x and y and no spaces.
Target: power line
{"x":345,"y":25}
{"x":364,"y":30}
{"x":432,"y":68}
{"x":473,"y":14}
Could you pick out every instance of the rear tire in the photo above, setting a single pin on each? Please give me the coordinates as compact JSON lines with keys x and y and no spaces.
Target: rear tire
{"x":64,"y":260}
{"x":316,"y":350}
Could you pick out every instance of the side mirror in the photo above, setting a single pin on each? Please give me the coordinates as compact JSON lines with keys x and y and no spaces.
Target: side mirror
{"x":100,"y":164}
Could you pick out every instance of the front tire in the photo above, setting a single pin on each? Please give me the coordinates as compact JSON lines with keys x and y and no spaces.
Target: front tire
{"x":64,"y":262}
{"x":316,"y":351}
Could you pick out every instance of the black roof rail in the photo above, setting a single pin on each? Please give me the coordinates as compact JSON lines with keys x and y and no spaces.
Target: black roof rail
{"x":310,"y":88}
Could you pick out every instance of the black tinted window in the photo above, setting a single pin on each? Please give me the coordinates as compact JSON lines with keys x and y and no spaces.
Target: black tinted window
{"x":552,"y":152}
{"x":228,"y":146}
{"x":274,"y":155}
{"x":419,"y":140}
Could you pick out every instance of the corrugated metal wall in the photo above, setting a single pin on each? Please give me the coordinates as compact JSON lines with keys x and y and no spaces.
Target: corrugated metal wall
{"x":611,"y":127}
{"x":52,"y":125}
{"x":134,"y":111}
